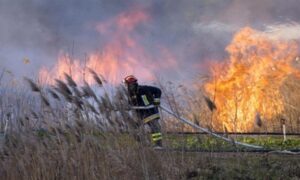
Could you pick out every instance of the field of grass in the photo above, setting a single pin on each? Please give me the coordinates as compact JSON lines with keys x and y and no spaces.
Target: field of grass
{"x":72,"y":132}
{"x":80,"y":152}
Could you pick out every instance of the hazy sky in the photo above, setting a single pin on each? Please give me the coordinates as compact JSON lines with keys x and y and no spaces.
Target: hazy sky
{"x":193,"y":30}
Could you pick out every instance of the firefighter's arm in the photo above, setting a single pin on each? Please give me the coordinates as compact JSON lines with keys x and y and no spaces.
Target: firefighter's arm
{"x":156,"y":92}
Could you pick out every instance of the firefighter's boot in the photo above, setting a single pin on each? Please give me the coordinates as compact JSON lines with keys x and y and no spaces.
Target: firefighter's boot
{"x":157,"y":140}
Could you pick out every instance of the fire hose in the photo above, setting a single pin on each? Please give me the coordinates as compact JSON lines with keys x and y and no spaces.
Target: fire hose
{"x":230,"y":140}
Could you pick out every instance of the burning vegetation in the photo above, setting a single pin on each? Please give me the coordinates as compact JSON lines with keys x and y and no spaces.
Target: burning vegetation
{"x":243,"y":87}
{"x":248,"y":83}
{"x":78,"y":123}
{"x":121,"y":55}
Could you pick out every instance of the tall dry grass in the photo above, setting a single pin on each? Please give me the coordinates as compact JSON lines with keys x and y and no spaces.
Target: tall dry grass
{"x":72,"y":131}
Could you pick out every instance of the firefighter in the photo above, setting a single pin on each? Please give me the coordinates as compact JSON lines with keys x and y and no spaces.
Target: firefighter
{"x":145,"y":96}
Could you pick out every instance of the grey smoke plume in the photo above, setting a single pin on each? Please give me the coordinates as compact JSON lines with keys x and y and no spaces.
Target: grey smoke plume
{"x":194,"y":31}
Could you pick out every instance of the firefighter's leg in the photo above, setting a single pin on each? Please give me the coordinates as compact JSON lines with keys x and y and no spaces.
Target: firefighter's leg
{"x":156,"y":135}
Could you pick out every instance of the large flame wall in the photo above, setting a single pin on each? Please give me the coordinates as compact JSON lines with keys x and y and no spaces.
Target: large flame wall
{"x":248,"y":84}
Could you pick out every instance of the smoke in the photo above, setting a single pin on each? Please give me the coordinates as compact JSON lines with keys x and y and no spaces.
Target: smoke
{"x":194,"y":31}
{"x":284,"y":31}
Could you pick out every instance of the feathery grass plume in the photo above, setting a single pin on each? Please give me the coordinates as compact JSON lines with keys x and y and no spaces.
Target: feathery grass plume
{"x":96,"y":77}
{"x":88,"y":92}
{"x":258,"y":120}
{"x":64,"y":90}
{"x":101,"y":77}
{"x":64,"y":94}
{"x":108,"y":101}
{"x":53,"y":94}
{"x":105,"y":103}
{"x":85,"y":92}
{"x":211,"y":105}
{"x":109,"y":119}
{"x":34,"y":87}
{"x":45,"y":100}
{"x":77,"y":101}
{"x":70,"y":81}
{"x":101,"y":107}
{"x":77,"y":92}
{"x":91,"y":107}
{"x":63,"y":87}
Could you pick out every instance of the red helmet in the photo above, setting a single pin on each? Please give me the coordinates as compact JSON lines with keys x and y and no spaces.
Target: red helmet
{"x":130,"y":79}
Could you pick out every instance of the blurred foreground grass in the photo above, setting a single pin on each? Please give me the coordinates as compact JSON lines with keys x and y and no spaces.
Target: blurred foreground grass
{"x":84,"y":153}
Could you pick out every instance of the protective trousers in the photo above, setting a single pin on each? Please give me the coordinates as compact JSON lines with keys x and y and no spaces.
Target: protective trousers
{"x":156,"y":135}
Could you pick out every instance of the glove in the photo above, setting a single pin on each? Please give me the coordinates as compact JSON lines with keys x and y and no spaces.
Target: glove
{"x":156,"y":101}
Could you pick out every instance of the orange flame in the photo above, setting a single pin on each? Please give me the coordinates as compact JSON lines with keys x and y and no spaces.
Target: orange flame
{"x":250,"y":81}
{"x":122,"y":55}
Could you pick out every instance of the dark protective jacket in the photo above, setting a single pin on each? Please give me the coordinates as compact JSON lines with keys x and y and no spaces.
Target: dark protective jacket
{"x":144,"y":96}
